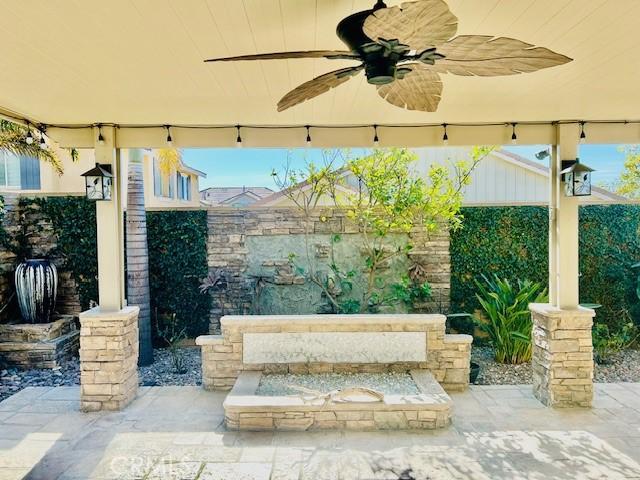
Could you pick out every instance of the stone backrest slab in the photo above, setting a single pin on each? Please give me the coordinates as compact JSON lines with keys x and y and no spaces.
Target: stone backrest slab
{"x":334,"y":347}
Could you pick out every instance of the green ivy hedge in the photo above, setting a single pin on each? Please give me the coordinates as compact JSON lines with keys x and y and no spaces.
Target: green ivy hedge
{"x":513,"y":243}
{"x":74,"y":223}
{"x":609,"y":246}
{"x":177,"y":243}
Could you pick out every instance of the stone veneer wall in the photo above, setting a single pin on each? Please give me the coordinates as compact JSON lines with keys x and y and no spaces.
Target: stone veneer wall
{"x":447,"y":359}
{"x":562,"y":357}
{"x":108,"y":358}
{"x":42,"y":239}
{"x":228,"y":249}
{"x":43,"y":345}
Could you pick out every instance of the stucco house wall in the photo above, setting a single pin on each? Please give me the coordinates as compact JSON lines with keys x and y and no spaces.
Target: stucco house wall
{"x":71,"y":181}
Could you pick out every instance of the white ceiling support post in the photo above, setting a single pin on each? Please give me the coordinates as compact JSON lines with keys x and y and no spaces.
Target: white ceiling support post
{"x":563,"y":225}
{"x":109,"y":332}
{"x":109,"y":229}
{"x":561,"y":351}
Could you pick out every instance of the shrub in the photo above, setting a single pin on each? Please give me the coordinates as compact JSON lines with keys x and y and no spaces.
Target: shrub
{"x":177,"y":262}
{"x":607,"y":342}
{"x":508,"y":318}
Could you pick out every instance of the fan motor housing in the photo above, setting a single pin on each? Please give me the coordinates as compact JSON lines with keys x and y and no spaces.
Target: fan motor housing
{"x":380,"y":69}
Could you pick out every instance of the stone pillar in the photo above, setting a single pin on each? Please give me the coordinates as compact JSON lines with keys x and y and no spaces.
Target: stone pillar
{"x":108,"y":358}
{"x":562,"y":359}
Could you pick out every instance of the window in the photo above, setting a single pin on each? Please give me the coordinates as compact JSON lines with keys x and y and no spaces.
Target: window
{"x":22,"y":173}
{"x":162,"y":184}
{"x":184,"y":186}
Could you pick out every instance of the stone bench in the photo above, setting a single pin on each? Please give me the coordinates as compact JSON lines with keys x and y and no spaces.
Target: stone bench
{"x":334,"y":343}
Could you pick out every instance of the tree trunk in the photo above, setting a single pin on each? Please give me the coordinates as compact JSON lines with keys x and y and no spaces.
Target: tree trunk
{"x":137,"y":254}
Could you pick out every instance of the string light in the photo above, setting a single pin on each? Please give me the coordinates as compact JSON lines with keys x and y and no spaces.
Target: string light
{"x":169,"y":139}
{"x":100,"y":137}
{"x":445,"y":137}
{"x":376,"y":141}
{"x":238,"y":138}
{"x":583,"y":136}
{"x":514,"y":137}
{"x":29,"y":138}
{"x":43,"y":143}
{"x":308,"y":136}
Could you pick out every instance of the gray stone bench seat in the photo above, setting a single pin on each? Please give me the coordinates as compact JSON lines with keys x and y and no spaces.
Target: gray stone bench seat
{"x":334,"y":343}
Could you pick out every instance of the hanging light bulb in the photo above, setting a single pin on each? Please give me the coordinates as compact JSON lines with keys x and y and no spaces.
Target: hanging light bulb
{"x":583,"y":136}
{"x":445,"y":137}
{"x":169,"y":139}
{"x":238,"y":138}
{"x":514,"y":137}
{"x":376,"y":141}
{"x":29,"y":138}
{"x":308,"y":136}
{"x":100,"y":137}
{"x":43,"y":143}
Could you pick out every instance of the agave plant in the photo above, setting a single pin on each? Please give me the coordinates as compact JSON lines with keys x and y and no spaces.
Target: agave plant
{"x":508,"y":318}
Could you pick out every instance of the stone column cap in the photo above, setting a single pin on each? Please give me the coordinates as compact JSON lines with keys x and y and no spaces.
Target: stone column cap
{"x":97,"y":313}
{"x":330,"y":319}
{"x":552,"y":311}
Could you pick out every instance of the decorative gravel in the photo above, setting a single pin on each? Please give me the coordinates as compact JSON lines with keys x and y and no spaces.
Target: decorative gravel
{"x":161,"y":372}
{"x":387,"y":383}
{"x":624,"y":367}
{"x":13,"y":380}
{"x":493,"y":373}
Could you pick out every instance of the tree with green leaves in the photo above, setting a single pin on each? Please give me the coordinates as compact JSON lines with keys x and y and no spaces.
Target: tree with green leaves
{"x":629,"y":184}
{"x":389,"y":199}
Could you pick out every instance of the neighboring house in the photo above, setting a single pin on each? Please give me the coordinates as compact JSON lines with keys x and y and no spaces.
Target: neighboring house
{"x":177,"y":188}
{"x":234,"y":196}
{"x":501,"y":178}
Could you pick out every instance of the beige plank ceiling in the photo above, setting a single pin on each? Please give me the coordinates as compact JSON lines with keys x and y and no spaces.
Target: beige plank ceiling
{"x":140,"y":62}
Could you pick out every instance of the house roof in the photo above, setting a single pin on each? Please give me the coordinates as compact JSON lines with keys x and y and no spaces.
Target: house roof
{"x":220,"y":195}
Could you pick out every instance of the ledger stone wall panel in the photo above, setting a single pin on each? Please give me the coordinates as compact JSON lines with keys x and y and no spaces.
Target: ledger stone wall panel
{"x":252,"y":245}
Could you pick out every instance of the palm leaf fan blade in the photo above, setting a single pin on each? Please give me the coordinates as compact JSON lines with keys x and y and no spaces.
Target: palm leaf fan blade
{"x":421,"y":24}
{"x":487,"y":56}
{"x":420,"y":89}
{"x":330,"y":54}
{"x":317,"y":86}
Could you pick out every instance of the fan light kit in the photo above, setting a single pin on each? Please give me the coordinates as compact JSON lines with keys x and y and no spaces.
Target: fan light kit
{"x":404,"y":49}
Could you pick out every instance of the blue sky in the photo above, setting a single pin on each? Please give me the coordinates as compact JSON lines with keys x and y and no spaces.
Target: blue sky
{"x":252,"y":167}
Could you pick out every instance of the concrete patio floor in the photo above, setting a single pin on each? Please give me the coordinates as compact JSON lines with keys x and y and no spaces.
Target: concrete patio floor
{"x":177,"y":433}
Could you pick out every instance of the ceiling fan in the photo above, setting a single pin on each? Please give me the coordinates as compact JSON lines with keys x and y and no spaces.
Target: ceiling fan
{"x":402,"y":51}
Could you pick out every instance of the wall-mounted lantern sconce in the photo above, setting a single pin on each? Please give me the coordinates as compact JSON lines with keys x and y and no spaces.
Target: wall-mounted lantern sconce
{"x":99,"y":182}
{"x":576,"y":178}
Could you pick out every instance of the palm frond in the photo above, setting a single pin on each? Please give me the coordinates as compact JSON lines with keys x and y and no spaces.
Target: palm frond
{"x":13,"y":139}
